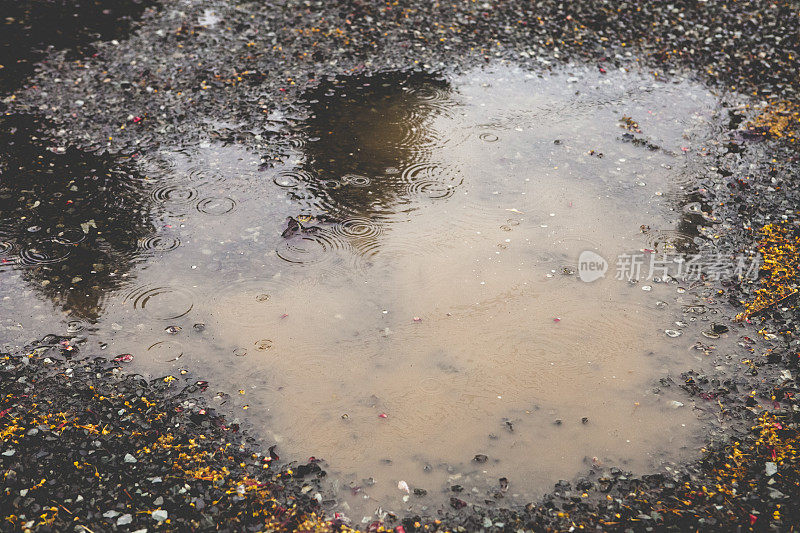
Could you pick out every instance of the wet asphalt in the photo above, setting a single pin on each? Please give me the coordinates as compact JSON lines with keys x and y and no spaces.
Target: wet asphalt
{"x":87,"y":447}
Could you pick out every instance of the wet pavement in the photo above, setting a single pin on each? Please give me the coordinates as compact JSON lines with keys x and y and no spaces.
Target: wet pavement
{"x":367,"y":239}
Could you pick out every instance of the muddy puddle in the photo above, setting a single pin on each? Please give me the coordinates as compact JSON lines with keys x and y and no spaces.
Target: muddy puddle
{"x":401,"y":296}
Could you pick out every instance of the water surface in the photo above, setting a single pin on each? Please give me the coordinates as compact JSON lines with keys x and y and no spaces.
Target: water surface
{"x":399,"y":295}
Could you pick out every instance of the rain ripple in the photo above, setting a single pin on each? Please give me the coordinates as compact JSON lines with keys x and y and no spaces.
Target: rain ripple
{"x":293,"y":179}
{"x":429,"y":180}
{"x":173,"y":193}
{"x":44,"y":253}
{"x":216,"y":205}
{"x":311,"y":248}
{"x":159,"y":243}
{"x":161,"y":302}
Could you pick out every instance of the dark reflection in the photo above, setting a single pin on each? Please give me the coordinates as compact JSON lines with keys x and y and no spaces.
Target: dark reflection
{"x":369,"y":145}
{"x":685,"y":239}
{"x":695,"y":211}
{"x":29,"y":27}
{"x":69,"y":220}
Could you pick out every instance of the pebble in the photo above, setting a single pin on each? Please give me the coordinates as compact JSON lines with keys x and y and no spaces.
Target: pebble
{"x":717,"y":29}
{"x":770,"y":468}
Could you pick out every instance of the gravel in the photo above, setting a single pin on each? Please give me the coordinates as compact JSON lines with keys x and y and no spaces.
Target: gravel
{"x":82,"y":439}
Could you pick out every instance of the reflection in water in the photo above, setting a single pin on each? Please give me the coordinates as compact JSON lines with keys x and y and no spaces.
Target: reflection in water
{"x":462,"y":334}
{"x":29,"y":27}
{"x":369,"y":145}
{"x":420,"y":309}
{"x":370,"y":156}
{"x":70,"y":220}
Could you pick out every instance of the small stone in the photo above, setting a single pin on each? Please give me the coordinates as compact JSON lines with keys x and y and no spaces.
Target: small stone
{"x":159,"y":514}
{"x":124,"y":520}
{"x":455,"y":503}
{"x":770,"y":468}
{"x":776,"y":494}
{"x":130,"y":458}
